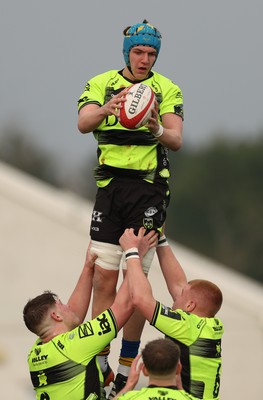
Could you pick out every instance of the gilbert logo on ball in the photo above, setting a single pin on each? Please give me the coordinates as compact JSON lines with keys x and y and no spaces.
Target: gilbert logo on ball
{"x":138,"y":106}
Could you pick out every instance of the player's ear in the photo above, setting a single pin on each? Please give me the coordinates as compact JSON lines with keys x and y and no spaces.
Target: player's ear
{"x":56,"y":316}
{"x":144,"y":370}
{"x":191,"y":305}
{"x":178,"y":375}
{"x":178,"y":368}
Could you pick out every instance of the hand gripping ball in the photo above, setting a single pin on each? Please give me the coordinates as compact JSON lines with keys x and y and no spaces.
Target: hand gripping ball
{"x":137,"y":108}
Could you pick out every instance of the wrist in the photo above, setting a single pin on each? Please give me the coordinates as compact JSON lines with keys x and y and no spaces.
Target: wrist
{"x":133,"y":252}
{"x":159,"y":132}
{"x":162,"y":241}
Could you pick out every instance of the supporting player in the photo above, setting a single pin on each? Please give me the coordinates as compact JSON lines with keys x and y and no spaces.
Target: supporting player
{"x":161,"y":364}
{"x":63,"y":361}
{"x":191,"y":322}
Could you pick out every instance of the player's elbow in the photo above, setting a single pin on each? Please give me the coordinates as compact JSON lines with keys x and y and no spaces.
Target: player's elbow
{"x":177,"y":143}
{"x":81,"y":127}
{"x":136,"y":299}
{"x":84,"y":122}
{"x":145,"y":304}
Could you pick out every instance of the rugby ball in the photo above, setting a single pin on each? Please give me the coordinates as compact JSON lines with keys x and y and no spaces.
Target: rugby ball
{"x":137,"y":108}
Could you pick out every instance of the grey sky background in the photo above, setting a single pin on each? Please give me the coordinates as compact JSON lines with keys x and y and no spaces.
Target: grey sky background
{"x":211,"y":49}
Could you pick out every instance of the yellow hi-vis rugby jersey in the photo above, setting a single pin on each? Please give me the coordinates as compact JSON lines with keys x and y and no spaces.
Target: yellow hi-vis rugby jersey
{"x":66,"y":367}
{"x":129,"y":153}
{"x":200,"y":342}
{"x":157,"y":393}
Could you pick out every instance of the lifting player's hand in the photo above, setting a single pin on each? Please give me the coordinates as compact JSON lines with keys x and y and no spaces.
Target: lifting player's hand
{"x":142,"y":242}
{"x":90,"y":258}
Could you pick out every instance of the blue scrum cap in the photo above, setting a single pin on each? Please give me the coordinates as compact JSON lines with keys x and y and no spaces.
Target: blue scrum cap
{"x":143,"y":34}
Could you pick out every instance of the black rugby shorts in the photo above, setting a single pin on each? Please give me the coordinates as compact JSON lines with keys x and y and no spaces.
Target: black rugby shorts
{"x":126,"y":203}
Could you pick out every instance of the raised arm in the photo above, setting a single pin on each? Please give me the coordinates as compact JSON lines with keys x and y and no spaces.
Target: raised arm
{"x":139,"y":286}
{"x":80,"y":298}
{"x":122,"y":306}
{"x":173,"y":272}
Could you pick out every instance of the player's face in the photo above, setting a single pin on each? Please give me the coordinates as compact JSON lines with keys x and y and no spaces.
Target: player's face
{"x":141,"y":60}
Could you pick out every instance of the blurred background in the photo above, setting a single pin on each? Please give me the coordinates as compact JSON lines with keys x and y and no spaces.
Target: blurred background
{"x":212,"y":50}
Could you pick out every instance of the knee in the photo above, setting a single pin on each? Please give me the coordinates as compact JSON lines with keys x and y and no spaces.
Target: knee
{"x":105,"y":282}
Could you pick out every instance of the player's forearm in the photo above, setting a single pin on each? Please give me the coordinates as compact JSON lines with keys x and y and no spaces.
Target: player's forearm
{"x":173,"y":272}
{"x":171,"y":131}
{"x":140,"y":290}
{"x":88,"y":121}
{"x":122,"y":306}
{"x":171,"y":138}
{"x":80,"y":298}
{"x":139,"y":286}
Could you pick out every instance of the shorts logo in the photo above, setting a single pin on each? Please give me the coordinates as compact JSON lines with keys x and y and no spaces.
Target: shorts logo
{"x":148,"y":223}
{"x":85,"y":330}
{"x":96,"y":216}
{"x":151,"y":211}
{"x":104,"y":325}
